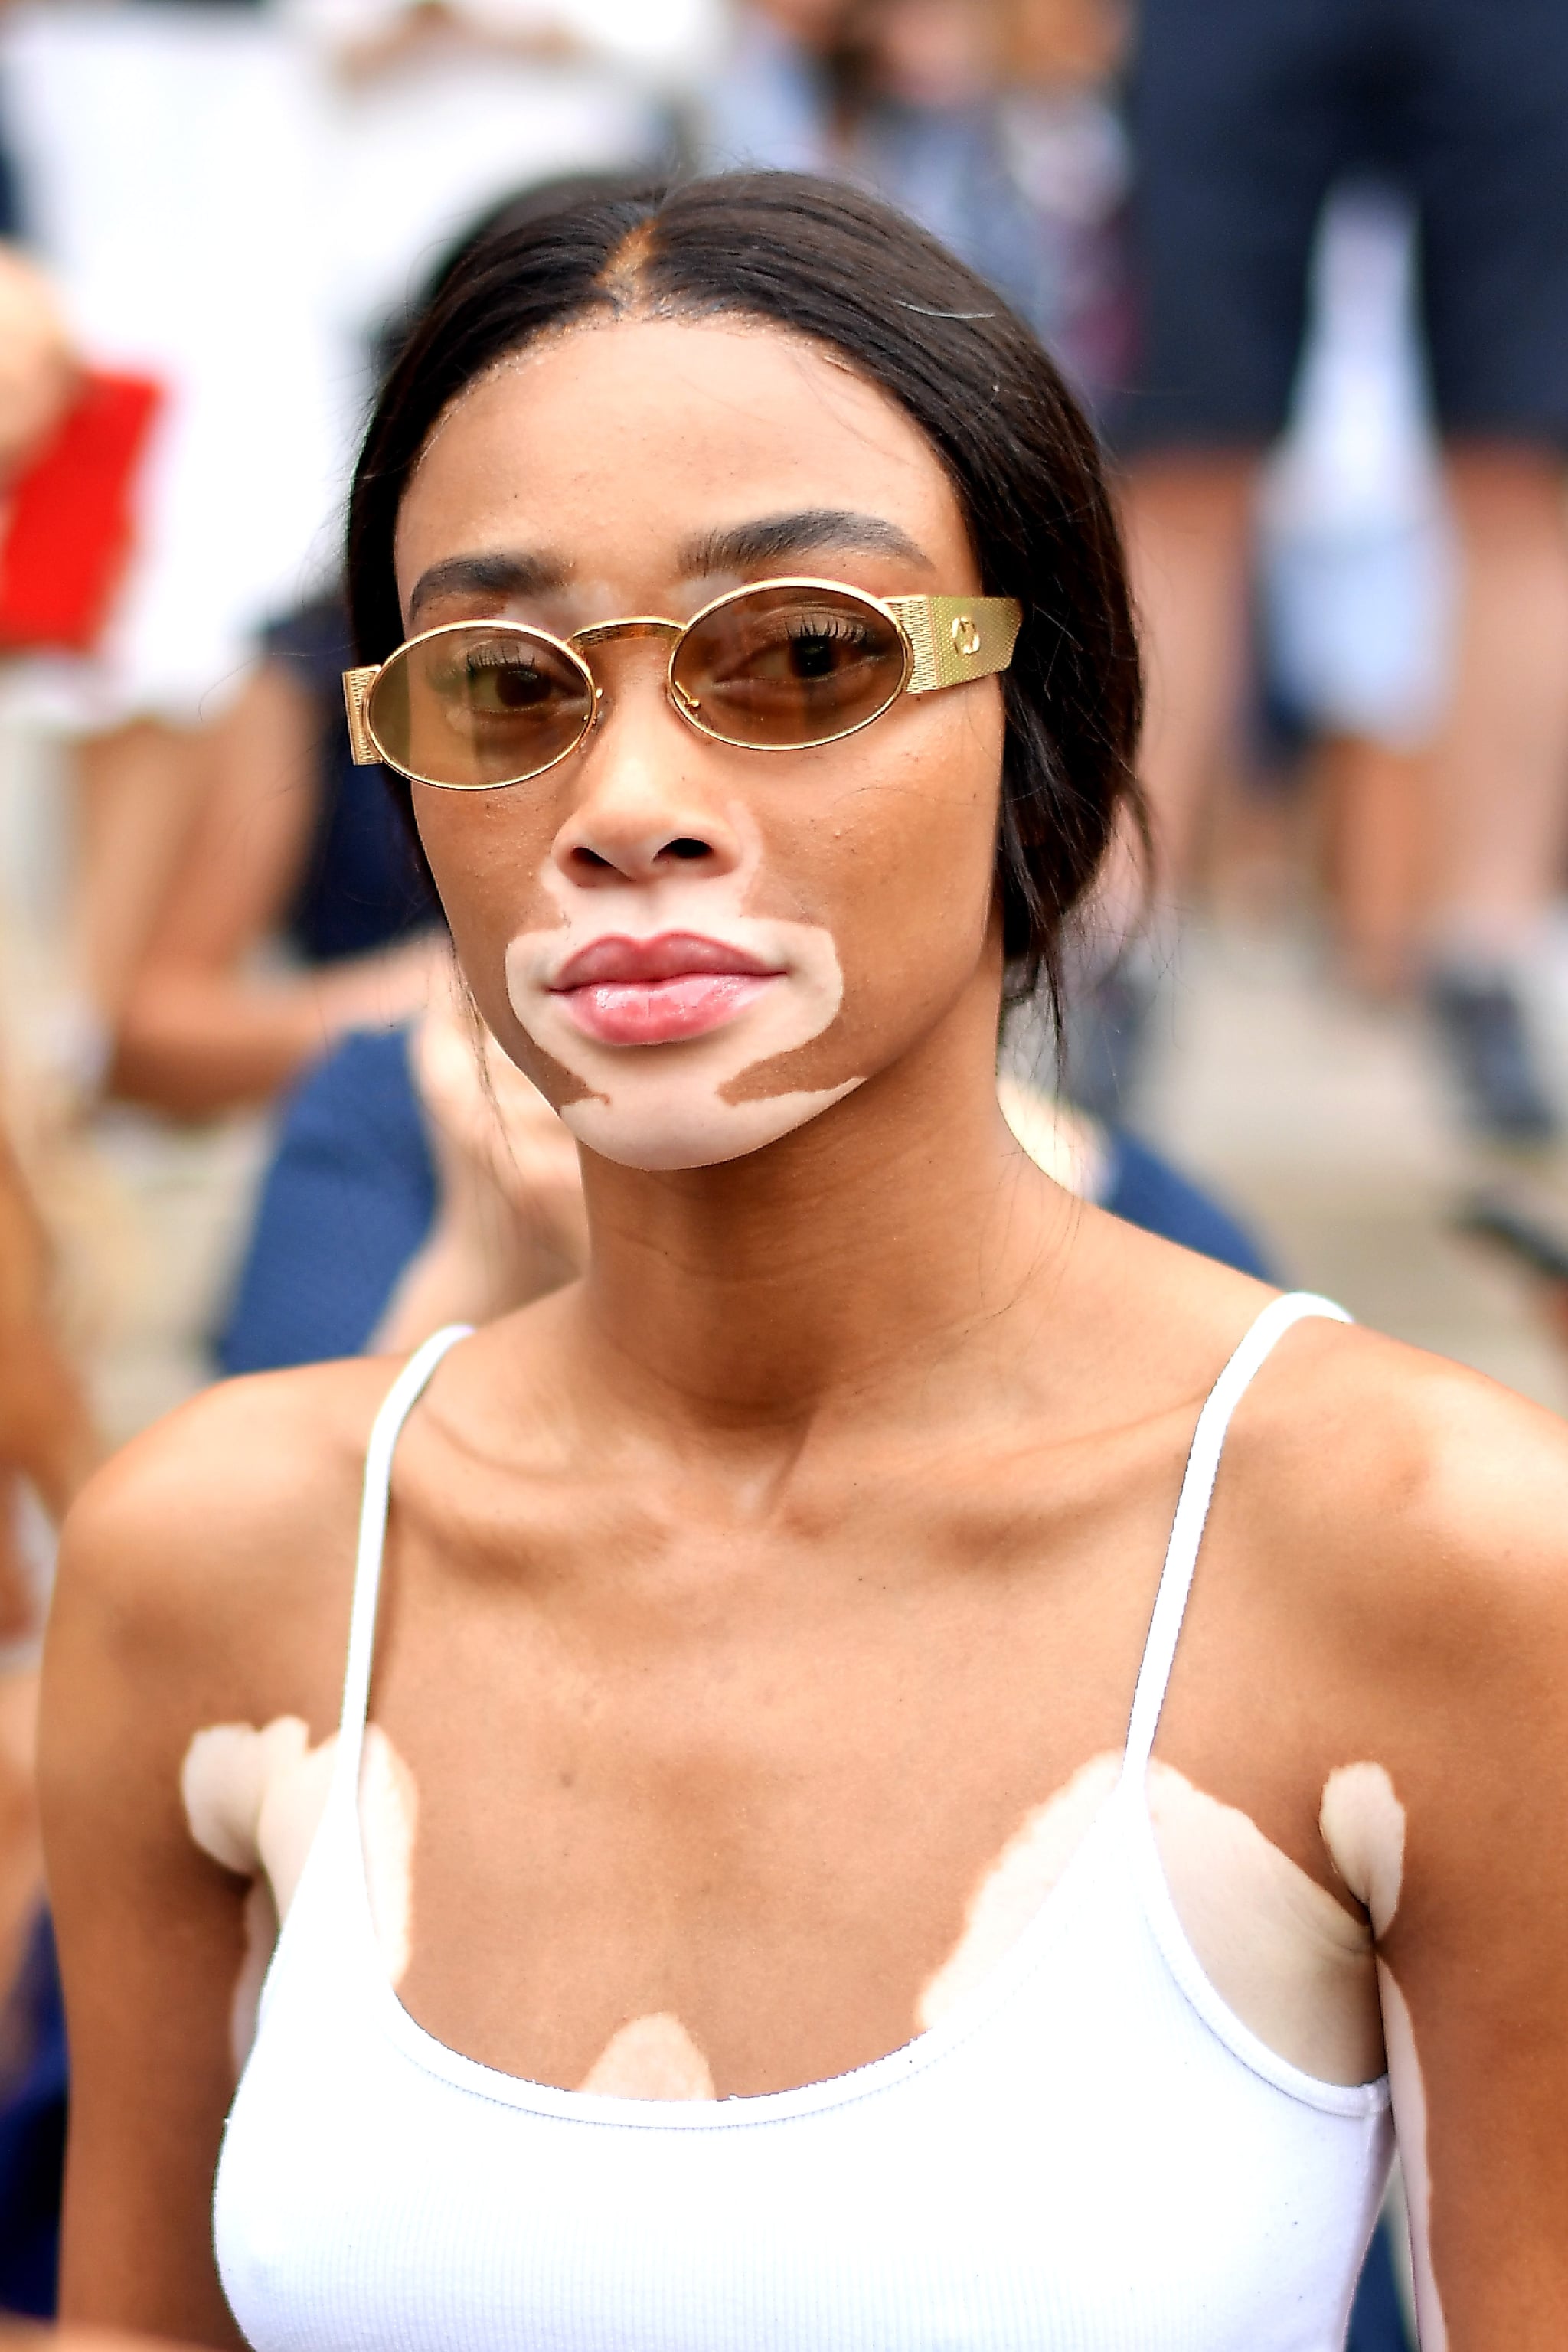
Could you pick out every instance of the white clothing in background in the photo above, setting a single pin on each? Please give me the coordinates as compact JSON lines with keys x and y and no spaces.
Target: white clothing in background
{"x":1357,"y":562}
{"x":417,"y":149}
{"x":222,"y":210}
{"x":170,"y":160}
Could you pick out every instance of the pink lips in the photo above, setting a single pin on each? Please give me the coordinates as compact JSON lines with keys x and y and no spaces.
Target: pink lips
{"x":655,"y":991}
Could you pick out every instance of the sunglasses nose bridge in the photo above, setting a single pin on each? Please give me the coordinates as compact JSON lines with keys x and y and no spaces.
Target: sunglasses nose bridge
{"x":640,"y":625}
{"x":637,"y":624}
{"x":604,"y":633}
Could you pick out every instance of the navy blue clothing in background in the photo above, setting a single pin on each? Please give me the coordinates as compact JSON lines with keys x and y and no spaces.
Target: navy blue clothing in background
{"x":363,"y":886}
{"x":348,"y":1200}
{"x":1147,"y":1192}
{"x":32,"y":2131}
{"x":1245,"y":114}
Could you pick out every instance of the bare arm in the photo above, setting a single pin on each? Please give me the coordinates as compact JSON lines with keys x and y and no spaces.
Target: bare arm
{"x":1414,"y":1533}
{"x":180,"y":1605}
{"x":1475,"y":1958}
{"x":46,"y":1431}
{"x":199,"y":1031}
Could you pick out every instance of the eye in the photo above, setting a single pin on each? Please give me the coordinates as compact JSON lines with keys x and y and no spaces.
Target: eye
{"x":796,"y":648}
{"x":501,"y":681}
{"x":818,"y":647}
{"x":494,"y":681}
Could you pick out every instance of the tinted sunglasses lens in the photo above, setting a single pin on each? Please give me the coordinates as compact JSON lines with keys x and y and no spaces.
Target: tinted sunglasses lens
{"x":785,"y":667}
{"x":480,"y":706}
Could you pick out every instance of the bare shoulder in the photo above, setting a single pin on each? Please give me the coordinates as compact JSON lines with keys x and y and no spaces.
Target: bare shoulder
{"x":209,"y":1550}
{"x":1418,"y":1508}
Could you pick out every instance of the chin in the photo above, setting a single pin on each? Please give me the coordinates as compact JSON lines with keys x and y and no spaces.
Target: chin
{"x":668,"y":1133}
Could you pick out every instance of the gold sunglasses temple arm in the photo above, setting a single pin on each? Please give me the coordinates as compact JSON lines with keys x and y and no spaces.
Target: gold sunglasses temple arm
{"x":955,"y":639}
{"x":357,"y":684}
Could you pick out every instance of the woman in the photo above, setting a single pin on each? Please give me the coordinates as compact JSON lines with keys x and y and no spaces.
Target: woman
{"x":769,"y":1916}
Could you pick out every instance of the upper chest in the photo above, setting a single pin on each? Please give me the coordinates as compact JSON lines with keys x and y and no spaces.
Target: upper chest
{"x":795,"y":1774}
{"x":906,"y":1648}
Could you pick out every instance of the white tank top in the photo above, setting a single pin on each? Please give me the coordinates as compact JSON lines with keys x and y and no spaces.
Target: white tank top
{"x":1089,"y":2154}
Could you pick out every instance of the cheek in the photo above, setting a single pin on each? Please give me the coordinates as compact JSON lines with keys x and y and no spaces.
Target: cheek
{"x":914,"y":863}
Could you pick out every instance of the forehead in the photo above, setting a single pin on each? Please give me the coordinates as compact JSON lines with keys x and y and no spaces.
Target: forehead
{"x":614,"y":445}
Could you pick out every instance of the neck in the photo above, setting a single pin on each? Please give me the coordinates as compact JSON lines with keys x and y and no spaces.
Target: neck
{"x":841,"y":1263}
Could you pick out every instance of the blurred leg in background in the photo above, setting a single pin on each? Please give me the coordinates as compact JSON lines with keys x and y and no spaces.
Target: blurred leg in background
{"x":1501,"y":776}
{"x":1189,"y":527}
{"x":1244,"y":119}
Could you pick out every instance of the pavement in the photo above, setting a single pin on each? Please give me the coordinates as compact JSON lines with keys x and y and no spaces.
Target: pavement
{"x":1325,"y":1120}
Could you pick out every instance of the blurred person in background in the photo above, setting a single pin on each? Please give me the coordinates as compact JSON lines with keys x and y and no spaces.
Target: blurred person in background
{"x":990,"y":121}
{"x":899,"y":96}
{"x":311,"y":157}
{"x":1065,"y":147}
{"x":770,"y":101}
{"x":916,"y":120}
{"x":1244,"y":119}
{"x":295,"y":909}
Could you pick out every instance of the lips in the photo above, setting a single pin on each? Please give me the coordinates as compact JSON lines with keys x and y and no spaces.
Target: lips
{"x":657,"y":992}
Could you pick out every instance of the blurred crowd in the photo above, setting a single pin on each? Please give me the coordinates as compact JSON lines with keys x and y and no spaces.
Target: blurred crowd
{"x":1274,"y":251}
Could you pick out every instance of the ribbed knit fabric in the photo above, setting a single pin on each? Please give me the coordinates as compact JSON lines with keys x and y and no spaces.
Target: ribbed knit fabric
{"x":1089,"y":2154}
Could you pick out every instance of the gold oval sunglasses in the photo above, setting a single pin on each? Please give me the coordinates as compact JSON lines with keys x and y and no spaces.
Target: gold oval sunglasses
{"x":784,"y":665}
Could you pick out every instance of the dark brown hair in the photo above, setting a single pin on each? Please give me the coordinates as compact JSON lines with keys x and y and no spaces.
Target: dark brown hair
{"x":827,"y":261}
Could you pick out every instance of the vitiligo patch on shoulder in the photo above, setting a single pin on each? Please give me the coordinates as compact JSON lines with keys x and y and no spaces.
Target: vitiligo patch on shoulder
{"x":1285,"y":1959}
{"x":253,"y":1800}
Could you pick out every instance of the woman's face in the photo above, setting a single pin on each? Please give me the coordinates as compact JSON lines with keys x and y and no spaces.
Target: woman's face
{"x":692,"y":949}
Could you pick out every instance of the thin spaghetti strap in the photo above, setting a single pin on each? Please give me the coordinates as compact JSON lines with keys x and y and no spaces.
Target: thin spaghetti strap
{"x":396,"y":1405}
{"x":1192,"y":1511}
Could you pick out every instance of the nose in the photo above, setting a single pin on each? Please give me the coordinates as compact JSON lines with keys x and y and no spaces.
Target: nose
{"x":642,"y":807}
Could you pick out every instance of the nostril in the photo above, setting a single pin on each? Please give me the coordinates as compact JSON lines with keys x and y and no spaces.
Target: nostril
{"x":686,"y":847}
{"x":590,"y":858}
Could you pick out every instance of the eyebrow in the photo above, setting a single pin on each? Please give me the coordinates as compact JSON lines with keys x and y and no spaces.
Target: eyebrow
{"x":743,"y":547}
{"x":775,"y":539}
{"x":487,"y":576}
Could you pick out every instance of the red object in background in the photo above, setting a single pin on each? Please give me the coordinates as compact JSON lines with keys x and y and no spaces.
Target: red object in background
{"x":68,"y":523}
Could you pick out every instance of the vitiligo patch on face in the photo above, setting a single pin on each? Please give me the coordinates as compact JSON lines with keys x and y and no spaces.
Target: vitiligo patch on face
{"x":1287,"y":1959}
{"x":707,"y":1098}
{"x":253,"y":1801}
